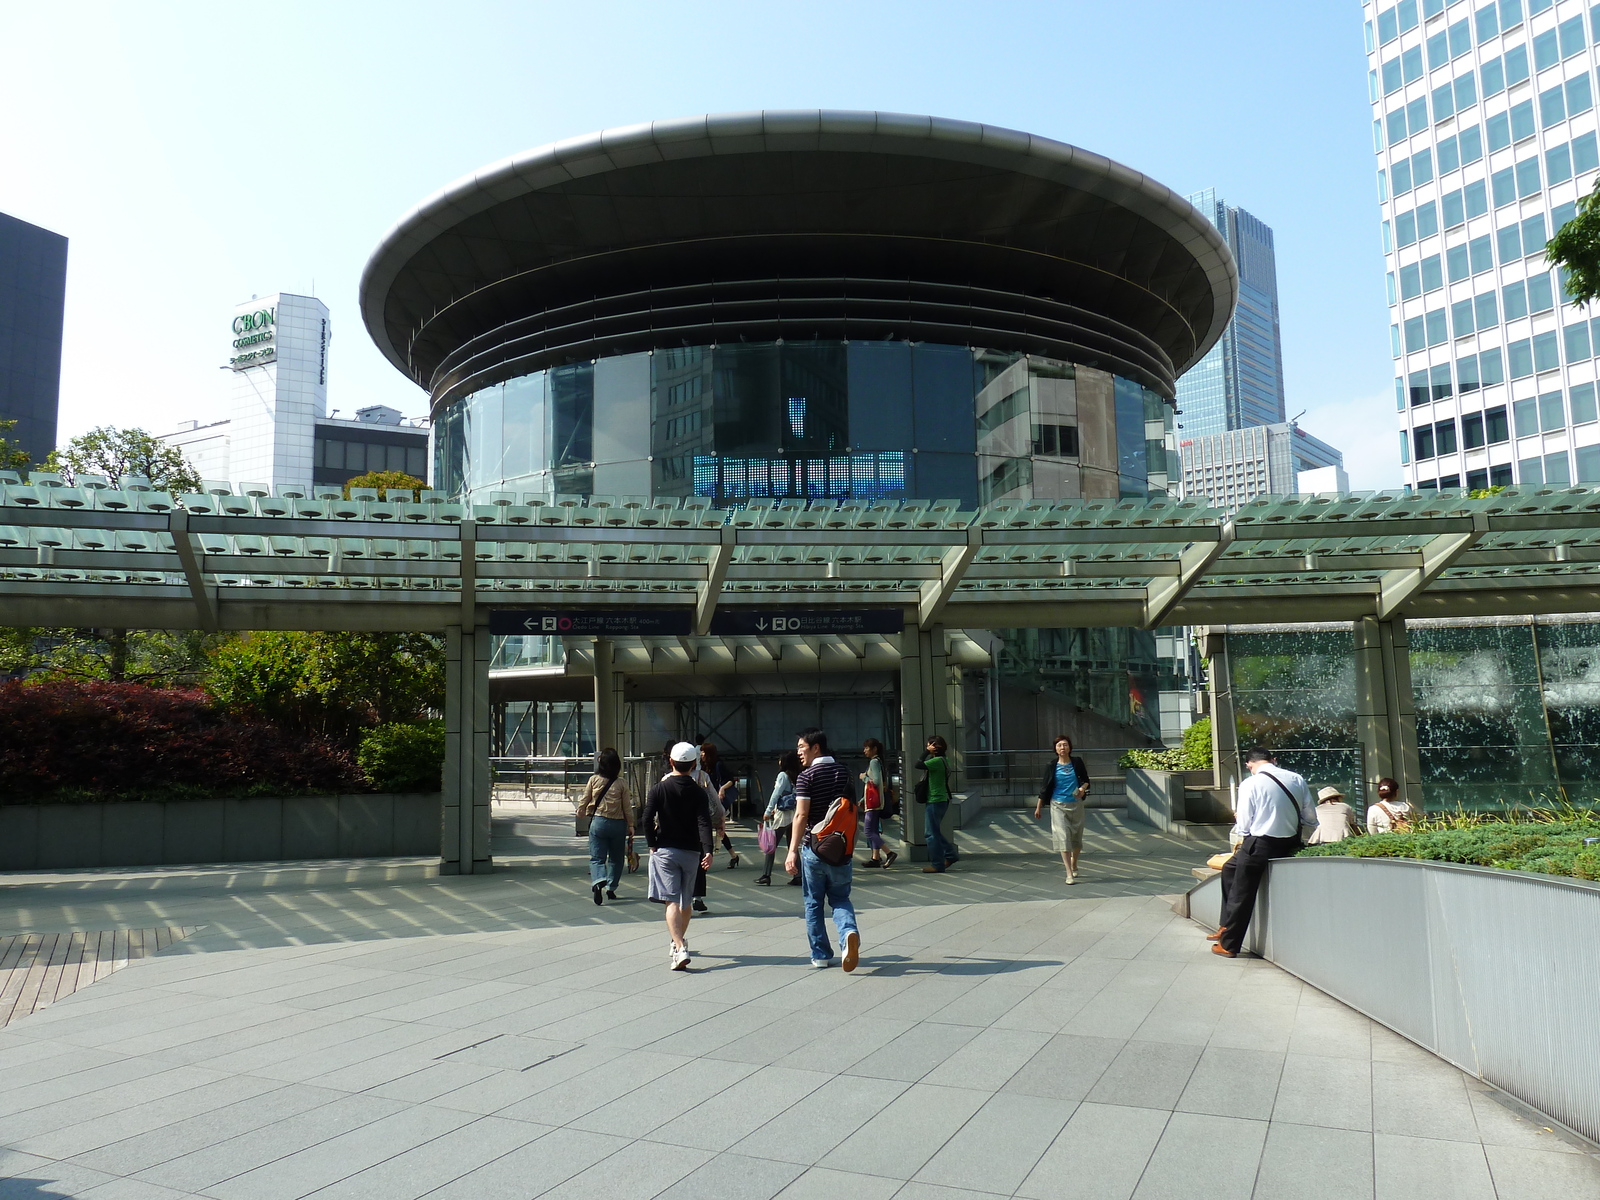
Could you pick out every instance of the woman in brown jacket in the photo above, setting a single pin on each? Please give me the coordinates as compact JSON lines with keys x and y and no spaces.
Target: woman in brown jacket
{"x":606,"y":802}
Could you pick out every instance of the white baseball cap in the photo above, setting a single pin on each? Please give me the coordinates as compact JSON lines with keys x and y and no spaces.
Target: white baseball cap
{"x":685,"y":752}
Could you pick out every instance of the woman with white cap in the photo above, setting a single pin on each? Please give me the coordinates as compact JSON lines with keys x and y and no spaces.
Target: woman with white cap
{"x":1336,"y":820}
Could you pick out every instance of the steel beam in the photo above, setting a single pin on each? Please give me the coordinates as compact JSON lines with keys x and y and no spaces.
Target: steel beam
{"x":188,"y":554}
{"x":936,"y":593}
{"x":1162,"y":595}
{"x":705,"y":603}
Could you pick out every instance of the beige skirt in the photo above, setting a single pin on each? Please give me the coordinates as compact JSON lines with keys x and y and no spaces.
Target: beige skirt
{"x":1066,"y":826}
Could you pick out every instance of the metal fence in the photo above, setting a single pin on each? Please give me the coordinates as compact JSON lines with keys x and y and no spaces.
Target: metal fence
{"x":1494,"y":971}
{"x":1018,"y":773}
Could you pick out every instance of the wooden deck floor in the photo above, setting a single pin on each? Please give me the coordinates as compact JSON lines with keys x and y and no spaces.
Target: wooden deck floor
{"x":37,"y":969}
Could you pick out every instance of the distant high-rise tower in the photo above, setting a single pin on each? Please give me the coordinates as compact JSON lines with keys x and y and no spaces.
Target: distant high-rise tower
{"x":33,"y":291}
{"x":1240,"y":382}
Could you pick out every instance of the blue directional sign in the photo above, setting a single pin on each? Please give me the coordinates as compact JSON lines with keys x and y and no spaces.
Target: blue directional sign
{"x":592,"y":622}
{"x":746,"y":622}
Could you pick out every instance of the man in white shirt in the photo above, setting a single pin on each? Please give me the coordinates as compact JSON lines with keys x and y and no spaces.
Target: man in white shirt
{"x":1273,"y":811}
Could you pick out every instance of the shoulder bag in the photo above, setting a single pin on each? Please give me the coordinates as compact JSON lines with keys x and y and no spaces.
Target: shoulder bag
{"x":1294,"y":804}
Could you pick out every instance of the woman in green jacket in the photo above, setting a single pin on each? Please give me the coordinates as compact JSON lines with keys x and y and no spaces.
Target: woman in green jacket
{"x":935,"y":761}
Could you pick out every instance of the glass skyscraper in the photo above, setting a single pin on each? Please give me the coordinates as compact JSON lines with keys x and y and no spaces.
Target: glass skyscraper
{"x":1240,"y":382}
{"x":1483,"y":119}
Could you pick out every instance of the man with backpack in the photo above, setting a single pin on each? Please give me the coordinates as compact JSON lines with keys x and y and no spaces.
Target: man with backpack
{"x":820,"y":846}
{"x":1274,"y":810}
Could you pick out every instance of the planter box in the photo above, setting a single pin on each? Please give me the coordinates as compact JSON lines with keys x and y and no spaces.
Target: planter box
{"x":1156,"y":798}
{"x":1491,"y":970}
{"x":36,"y":837}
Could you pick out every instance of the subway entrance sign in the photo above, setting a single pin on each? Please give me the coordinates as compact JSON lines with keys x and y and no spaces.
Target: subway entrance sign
{"x":593,"y":622}
{"x":750,"y":622}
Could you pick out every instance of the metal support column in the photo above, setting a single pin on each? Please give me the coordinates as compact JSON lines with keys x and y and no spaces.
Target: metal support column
{"x":1224,"y":722}
{"x":607,"y":709}
{"x":464,"y":842}
{"x":1386,"y":715}
{"x":924,"y":711}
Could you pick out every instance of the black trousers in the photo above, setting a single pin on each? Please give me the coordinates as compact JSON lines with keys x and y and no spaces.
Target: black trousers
{"x":1241,"y":880}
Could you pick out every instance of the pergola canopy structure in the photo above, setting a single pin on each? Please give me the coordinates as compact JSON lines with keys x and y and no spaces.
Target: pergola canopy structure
{"x":310,"y":559}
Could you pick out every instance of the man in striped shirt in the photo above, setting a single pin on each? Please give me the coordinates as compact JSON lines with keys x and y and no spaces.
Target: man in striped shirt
{"x":821,"y":782}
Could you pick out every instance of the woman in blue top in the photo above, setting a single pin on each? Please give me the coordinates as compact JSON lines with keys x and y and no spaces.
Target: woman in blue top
{"x":1064,"y":787}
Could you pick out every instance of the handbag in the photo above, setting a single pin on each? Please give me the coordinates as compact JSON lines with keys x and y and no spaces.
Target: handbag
{"x":767,"y":839}
{"x":633,"y":859}
{"x":891,"y":804}
{"x":584,"y":818}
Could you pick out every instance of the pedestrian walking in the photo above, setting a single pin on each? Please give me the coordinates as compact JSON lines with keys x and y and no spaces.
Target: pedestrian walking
{"x":677,"y":828}
{"x":874,"y":796}
{"x":721,"y":783}
{"x":1274,"y":808}
{"x":942,"y":853}
{"x":605,"y":801}
{"x":1065,"y":789}
{"x":714,"y":814}
{"x":823,"y":802}
{"x":779,"y":814}
{"x":1336,"y":820}
{"x":1389,"y":814}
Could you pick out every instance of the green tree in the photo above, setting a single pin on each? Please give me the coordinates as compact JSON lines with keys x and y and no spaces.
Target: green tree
{"x":157,"y":657}
{"x":1576,"y":248}
{"x":384,"y":481}
{"x":12,"y":456}
{"x":118,"y":453}
{"x":333,"y":684}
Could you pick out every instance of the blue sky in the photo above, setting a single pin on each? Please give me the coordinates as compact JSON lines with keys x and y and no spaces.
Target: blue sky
{"x":199,"y":154}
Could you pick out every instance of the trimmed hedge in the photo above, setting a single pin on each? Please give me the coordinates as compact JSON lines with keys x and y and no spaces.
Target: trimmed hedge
{"x":1546,"y":847}
{"x":404,"y":758}
{"x":70,"y":740}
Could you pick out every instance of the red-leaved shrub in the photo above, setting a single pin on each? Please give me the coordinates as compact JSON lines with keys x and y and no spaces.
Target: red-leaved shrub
{"x":75,"y":740}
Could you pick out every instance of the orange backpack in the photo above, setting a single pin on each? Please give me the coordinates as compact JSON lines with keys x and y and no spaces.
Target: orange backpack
{"x":833,"y":839}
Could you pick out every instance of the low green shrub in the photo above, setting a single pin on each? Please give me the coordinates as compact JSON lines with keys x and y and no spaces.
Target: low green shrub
{"x":1545,"y":846}
{"x":1193,"y":755}
{"x":403,"y":758}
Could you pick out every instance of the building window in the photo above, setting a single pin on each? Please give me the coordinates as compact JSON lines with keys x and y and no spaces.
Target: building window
{"x":1472,"y":432}
{"x":1422,"y":442}
{"x":1582,"y":399}
{"x":1057,"y":441}
{"x":1495,"y":426}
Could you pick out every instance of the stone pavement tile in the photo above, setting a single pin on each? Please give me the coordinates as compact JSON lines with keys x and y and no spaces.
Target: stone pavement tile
{"x":734,"y":1177}
{"x":311,"y":1042}
{"x":990,"y":1000}
{"x":1118,"y":1009}
{"x":781,"y":1034}
{"x":1388,"y":1046}
{"x":18,"y":1052}
{"x":821,"y":1183}
{"x":663,"y":1021}
{"x":507,"y":1051}
{"x":849,"y":1101}
{"x":368,"y":1061}
{"x":589,"y":1089}
{"x":1407,"y":1168}
{"x":1066,"y":1068}
{"x":1335,"y":1093}
{"x":200,"y":1170}
{"x":1233,"y":1083}
{"x":82,"y":1078}
{"x":502,"y":1089}
{"x":1224,"y":1152}
{"x":1543,"y":1175}
{"x":1330,"y":1030}
{"x":989,"y":1060}
{"x":183,"y":1137}
{"x":533,"y":1169}
{"x":729,"y":1027}
{"x":82,"y":1136}
{"x":435,"y":1080}
{"x":1506,"y":1125}
{"x":305,"y":1171}
{"x":1422,"y":1100}
{"x":997,"y":1148}
{"x":133,"y":1189}
{"x":1146,"y":1075}
{"x":1100,"y":1155}
{"x":934,"y":1191}
{"x":907,"y":1133}
{"x":737,"y":1111}
{"x":640,"y":1110}
{"x":638,"y":1171}
{"x":44,"y":1179}
{"x":1301,"y":1162}
{"x":1183,"y":1017}
{"x":443,"y":999}
{"x":846,"y":1044}
{"x":433,"y":1164}
{"x":58,"y":1062}
{"x":1244,"y":1025}
{"x":154,"y":1083}
{"x":918,"y":1050}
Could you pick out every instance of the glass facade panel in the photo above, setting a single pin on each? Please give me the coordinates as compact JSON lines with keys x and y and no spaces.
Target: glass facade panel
{"x":1295,"y":691}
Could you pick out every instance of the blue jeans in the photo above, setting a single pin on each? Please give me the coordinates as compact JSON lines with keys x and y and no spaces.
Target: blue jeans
{"x":608,"y":839}
{"x":821,"y":881}
{"x":940,"y":848}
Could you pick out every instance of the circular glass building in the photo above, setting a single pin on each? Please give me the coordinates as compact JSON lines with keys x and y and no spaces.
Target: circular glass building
{"x":817,"y":305}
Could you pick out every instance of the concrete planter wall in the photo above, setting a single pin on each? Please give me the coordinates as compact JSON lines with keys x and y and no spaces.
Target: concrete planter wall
{"x":261,"y":829}
{"x":1156,"y":797}
{"x":1494,"y":971}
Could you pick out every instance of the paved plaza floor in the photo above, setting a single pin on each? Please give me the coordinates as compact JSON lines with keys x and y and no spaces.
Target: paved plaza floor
{"x":370,"y":1030}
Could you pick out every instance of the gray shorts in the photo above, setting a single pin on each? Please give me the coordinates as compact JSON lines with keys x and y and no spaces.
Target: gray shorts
{"x":672,"y":875}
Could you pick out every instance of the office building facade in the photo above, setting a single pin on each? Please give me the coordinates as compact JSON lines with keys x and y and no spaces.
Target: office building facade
{"x":275,"y":430}
{"x":1485,"y":129}
{"x":1232,"y":468}
{"x":33,"y":294}
{"x":1240,"y":380}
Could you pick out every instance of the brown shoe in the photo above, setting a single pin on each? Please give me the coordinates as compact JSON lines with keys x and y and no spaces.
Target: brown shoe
{"x":1212,"y":937}
{"x":933,"y":870}
{"x":1225,"y":952}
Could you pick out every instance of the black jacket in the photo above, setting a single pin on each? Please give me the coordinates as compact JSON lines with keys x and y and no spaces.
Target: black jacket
{"x":1047,"y":789}
{"x":676,"y":816}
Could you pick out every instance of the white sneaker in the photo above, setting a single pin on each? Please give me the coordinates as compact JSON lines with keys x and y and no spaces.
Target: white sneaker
{"x":852,"y":950}
{"x":680,"y":958}
{"x":819,"y":963}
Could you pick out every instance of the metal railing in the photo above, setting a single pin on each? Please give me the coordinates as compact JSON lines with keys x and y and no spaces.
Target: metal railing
{"x":1018,"y":773}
